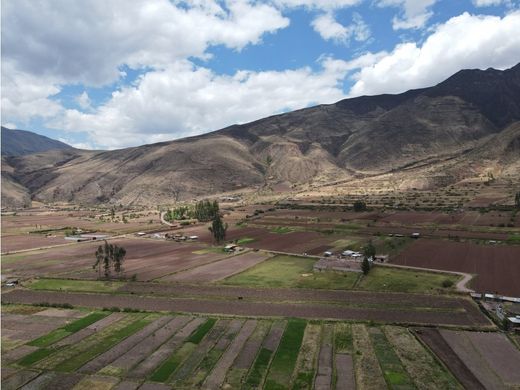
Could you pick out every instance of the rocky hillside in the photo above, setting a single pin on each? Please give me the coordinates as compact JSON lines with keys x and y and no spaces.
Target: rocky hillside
{"x":449,"y":131}
{"x":21,"y":142}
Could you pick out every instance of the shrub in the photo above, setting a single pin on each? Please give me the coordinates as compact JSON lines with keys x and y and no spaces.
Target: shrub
{"x":446,"y":283}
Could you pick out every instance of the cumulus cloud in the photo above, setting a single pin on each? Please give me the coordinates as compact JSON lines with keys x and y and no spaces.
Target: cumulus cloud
{"x":330,"y":29}
{"x":317,"y":4}
{"x":84,"y":101}
{"x":465,"y":41}
{"x":183,"y":100}
{"x":487,"y":3}
{"x":414,"y":13}
{"x":87,"y":42}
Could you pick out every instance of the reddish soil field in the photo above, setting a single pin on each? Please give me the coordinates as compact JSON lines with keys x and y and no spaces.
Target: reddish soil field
{"x":29,"y":241}
{"x":15,"y":229}
{"x":218,"y":270}
{"x":470,"y":316}
{"x":147,"y":258}
{"x":491,"y":357}
{"x":433,"y":339}
{"x":293,"y":242}
{"x":497,"y":266}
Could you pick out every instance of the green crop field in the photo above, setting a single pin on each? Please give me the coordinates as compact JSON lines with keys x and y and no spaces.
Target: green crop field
{"x":280,"y":354}
{"x":293,"y":271}
{"x":74,"y":285}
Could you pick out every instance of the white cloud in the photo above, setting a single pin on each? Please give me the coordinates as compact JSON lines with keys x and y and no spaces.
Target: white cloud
{"x":487,"y":3}
{"x":47,"y":44}
{"x":414,"y":14}
{"x":25,"y":96}
{"x":317,"y":4}
{"x":184,"y":100}
{"x":465,"y":41}
{"x":84,"y":101}
{"x":330,"y":29}
{"x":87,"y":42}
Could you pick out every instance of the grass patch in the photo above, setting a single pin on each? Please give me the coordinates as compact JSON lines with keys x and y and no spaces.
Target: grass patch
{"x":281,"y":229}
{"x":102,"y":345}
{"x":206,"y":251}
{"x":169,"y":366}
{"x":20,"y":309}
{"x":245,"y":240}
{"x":403,"y":280}
{"x":513,"y":239}
{"x":291,"y":271}
{"x":74,"y":285}
{"x":342,"y":338}
{"x":257,"y":373}
{"x":35,"y":356}
{"x":67,"y":330}
{"x":199,"y":333}
{"x":284,"y":360}
{"x":393,"y":370}
{"x":422,"y":366}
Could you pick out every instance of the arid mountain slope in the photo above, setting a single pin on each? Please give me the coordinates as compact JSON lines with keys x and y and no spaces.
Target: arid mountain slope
{"x":21,"y":142}
{"x":432,"y":136}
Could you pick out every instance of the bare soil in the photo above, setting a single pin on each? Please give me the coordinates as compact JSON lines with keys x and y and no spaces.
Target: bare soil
{"x":240,"y":307}
{"x":434,"y":340}
{"x":496,"y":265}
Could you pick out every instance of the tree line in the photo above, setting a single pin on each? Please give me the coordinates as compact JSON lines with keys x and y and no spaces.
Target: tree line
{"x":204,"y":211}
{"x":109,"y":257}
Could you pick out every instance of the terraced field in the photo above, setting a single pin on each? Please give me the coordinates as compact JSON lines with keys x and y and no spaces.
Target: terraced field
{"x":122,"y":350}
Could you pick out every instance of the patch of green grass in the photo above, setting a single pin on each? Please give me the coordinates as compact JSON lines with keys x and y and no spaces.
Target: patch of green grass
{"x":281,"y":229}
{"x":206,"y":251}
{"x":284,"y":360}
{"x":74,"y":285}
{"x":199,"y":333}
{"x":67,"y":330}
{"x":303,"y":380}
{"x":403,"y":280}
{"x":35,"y":356}
{"x":165,"y":370}
{"x":245,"y":240}
{"x":343,"y":338}
{"x":103,"y":345}
{"x":257,"y":373}
{"x":393,"y":370}
{"x":291,"y":271}
{"x":513,"y":239}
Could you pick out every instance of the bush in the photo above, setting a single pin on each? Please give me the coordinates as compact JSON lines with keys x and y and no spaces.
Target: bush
{"x":446,"y":283}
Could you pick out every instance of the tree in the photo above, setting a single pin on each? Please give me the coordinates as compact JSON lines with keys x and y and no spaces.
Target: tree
{"x":108,"y":256}
{"x":359,"y":205}
{"x":369,"y":250}
{"x":517,"y":200}
{"x":218,"y":229}
{"x":365,"y":266}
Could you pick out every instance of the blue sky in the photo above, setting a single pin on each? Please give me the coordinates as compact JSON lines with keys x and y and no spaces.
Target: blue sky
{"x":112,"y":74}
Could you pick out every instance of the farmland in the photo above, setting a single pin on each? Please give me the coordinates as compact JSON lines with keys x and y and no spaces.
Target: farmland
{"x":188,"y":314}
{"x":127,"y":350}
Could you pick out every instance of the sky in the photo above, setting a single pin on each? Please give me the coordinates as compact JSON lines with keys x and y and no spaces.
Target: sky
{"x":109,"y":74}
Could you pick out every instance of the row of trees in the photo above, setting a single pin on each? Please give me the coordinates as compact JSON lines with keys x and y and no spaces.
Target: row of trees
{"x":109,"y":257}
{"x":204,"y":211}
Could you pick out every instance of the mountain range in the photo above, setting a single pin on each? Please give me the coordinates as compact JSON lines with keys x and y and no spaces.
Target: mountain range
{"x":463,"y":127}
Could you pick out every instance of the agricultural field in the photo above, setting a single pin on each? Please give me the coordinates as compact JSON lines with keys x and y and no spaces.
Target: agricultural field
{"x":80,"y":348}
{"x":190,"y":315}
{"x":496,"y":266}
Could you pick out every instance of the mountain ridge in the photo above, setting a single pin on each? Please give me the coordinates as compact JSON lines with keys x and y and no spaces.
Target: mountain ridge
{"x":416,"y":131}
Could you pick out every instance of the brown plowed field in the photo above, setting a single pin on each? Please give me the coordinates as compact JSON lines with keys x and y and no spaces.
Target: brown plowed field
{"x":303,"y":295}
{"x":405,"y":314}
{"x":433,"y":339}
{"x":220,"y":269}
{"x":497,"y":266}
{"x":147,"y":258}
{"x":490,"y":356}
